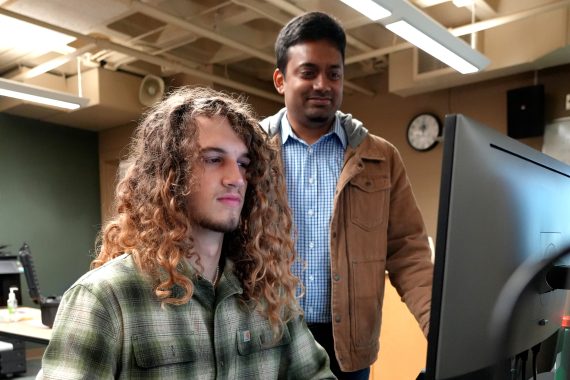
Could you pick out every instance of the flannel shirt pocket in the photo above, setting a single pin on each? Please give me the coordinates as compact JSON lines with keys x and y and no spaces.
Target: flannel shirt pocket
{"x":251,"y":341}
{"x":155,"y":350}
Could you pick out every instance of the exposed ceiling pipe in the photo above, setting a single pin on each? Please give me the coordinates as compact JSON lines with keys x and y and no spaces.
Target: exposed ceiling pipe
{"x":105,"y":44}
{"x":184,"y":24}
{"x":287,"y":7}
{"x":264,"y":10}
{"x":378,"y":52}
{"x":53,"y":63}
{"x":164,"y":51}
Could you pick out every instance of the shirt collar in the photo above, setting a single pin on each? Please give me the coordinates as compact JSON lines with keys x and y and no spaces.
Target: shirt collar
{"x":228,"y":283}
{"x":337,"y":129}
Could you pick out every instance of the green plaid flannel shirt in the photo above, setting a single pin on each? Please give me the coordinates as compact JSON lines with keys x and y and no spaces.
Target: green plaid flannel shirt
{"x":111,"y":326}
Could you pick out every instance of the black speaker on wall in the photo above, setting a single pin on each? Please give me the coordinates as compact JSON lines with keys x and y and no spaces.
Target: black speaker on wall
{"x":525,"y":111}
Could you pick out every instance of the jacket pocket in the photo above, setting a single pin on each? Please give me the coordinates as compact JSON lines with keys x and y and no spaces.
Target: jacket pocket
{"x":155,"y":350}
{"x":369,"y":196}
{"x":251,"y":341}
{"x":368,"y":280}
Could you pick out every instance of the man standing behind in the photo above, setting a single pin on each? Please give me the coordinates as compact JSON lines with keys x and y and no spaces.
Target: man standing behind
{"x":193,"y":278}
{"x":352,"y":203}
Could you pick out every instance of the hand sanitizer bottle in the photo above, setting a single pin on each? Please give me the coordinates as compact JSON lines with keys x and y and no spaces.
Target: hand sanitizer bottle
{"x":12,"y":304}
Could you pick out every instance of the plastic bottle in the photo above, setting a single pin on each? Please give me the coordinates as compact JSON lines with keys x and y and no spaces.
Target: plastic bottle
{"x":12,"y":304}
{"x":563,"y":365}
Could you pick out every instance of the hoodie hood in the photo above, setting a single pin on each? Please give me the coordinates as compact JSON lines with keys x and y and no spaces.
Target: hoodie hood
{"x":355,"y":130}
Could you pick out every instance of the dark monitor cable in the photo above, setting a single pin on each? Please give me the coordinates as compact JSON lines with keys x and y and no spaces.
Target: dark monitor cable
{"x":535,"y":350}
{"x":524,"y":357}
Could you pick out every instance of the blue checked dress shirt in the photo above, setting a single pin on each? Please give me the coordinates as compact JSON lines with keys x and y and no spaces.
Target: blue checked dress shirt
{"x":311,"y":173}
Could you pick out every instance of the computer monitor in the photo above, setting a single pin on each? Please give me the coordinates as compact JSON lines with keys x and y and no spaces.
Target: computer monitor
{"x":502,"y":205}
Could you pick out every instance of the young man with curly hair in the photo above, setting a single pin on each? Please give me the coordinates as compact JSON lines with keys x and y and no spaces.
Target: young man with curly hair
{"x":192,"y":279}
{"x":352,"y":201}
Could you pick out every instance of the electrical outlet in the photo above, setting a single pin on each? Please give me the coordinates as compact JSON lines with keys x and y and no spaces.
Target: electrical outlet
{"x":567,"y":102}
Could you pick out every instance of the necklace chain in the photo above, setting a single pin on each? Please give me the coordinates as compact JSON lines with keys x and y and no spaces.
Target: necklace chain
{"x":215,"y":280}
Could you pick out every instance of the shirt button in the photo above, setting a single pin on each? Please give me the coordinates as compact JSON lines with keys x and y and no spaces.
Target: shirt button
{"x":310,"y":212}
{"x":310,"y":310}
{"x":310,"y":150}
{"x":311,"y":244}
{"x":311,"y":278}
{"x":336,"y":277}
{"x":337,"y":318}
{"x":334,"y":235}
{"x":311,"y":180}
{"x":221,"y":363}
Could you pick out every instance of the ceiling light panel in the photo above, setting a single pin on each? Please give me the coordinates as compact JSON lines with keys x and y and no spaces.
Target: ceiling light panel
{"x":32,"y":38}
{"x":368,"y":8}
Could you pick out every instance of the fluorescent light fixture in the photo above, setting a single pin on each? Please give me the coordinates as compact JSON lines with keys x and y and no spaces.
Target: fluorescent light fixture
{"x":429,"y":3}
{"x":31,"y":38}
{"x":463,"y":3}
{"x":40,"y":95}
{"x":430,"y":46}
{"x":419,"y":29}
{"x":368,"y":8}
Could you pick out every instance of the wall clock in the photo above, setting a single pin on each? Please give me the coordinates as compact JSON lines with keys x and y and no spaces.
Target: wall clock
{"x":424,"y":131}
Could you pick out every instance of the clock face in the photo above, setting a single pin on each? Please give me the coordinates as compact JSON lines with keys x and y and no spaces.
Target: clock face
{"x":424,"y":131}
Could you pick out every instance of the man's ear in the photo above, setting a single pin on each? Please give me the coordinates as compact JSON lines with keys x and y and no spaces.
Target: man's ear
{"x":279,"y":81}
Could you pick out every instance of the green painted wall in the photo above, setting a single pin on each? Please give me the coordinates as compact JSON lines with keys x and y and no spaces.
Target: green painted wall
{"x":49,"y":198}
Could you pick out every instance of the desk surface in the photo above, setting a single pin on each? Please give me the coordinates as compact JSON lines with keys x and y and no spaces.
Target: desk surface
{"x":29,"y":326}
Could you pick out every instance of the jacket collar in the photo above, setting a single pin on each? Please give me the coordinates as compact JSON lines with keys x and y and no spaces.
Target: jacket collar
{"x":355,"y":131}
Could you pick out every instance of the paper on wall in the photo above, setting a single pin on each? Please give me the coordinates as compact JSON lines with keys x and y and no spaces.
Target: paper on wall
{"x":556,"y":141}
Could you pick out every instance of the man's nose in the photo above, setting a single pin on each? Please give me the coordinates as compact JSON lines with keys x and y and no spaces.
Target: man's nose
{"x":234,"y":175}
{"x":321,"y":82}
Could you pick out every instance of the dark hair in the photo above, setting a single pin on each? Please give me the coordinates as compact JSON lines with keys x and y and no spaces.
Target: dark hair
{"x":311,"y":26}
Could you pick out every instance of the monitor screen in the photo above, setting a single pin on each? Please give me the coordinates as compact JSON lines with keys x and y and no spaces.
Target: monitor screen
{"x":502,"y":204}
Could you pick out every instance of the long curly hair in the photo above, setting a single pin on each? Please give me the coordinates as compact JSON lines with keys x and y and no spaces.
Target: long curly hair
{"x":152,"y":221}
